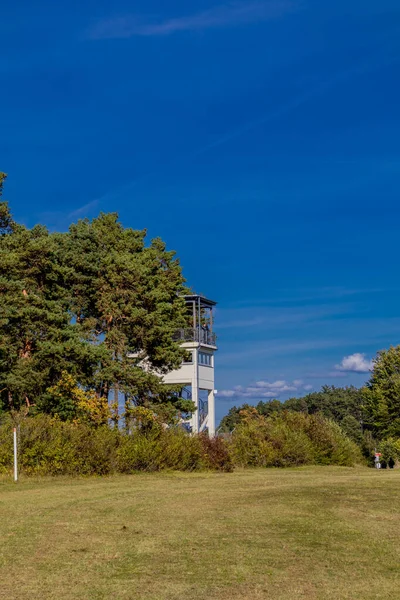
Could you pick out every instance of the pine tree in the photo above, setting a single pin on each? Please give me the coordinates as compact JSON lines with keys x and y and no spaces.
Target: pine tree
{"x":381,"y":395}
{"x":37,"y":338}
{"x":128,"y":298}
{"x":95,"y":303}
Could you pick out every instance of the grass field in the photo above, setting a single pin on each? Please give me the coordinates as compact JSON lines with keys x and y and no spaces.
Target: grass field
{"x":318,"y":532}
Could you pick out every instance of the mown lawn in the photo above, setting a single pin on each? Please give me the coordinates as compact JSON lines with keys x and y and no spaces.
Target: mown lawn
{"x":314,"y":532}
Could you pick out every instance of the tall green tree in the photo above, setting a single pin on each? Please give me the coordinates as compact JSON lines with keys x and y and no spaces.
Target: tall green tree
{"x":6,"y":221}
{"x":95,"y":302}
{"x":127,"y":297}
{"x":381,"y":395}
{"x":37,"y":338}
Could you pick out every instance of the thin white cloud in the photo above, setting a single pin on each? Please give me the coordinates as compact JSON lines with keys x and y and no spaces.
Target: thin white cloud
{"x":83,"y":210}
{"x":259,"y":390}
{"x":280,"y":316}
{"x":60,"y":220}
{"x":274,"y":347}
{"x":323,"y":374}
{"x":230,"y":14}
{"x":295,"y":296}
{"x":355,"y":363}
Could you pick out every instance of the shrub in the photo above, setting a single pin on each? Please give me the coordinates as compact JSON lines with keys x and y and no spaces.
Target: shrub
{"x":390,"y":449}
{"x":292,"y":445}
{"x":139,"y":452}
{"x":160,"y":449}
{"x":249,"y":445}
{"x":216,"y":455}
{"x":49,"y":446}
{"x":368,"y":445}
{"x":332,"y":446}
{"x":181,"y":451}
{"x":6,"y":445}
{"x":352,"y":428}
{"x":291,"y":439}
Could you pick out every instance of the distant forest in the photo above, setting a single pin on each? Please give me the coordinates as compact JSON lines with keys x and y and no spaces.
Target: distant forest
{"x":370,"y":416}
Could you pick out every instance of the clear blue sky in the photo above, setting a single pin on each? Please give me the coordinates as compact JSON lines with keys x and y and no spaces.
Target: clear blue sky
{"x":260,"y":139}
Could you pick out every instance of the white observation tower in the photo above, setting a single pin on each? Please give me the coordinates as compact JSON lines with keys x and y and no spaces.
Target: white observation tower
{"x":196,"y":374}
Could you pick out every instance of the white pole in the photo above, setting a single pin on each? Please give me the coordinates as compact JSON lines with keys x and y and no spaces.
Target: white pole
{"x":15,"y":456}
{"x":211,"y":413}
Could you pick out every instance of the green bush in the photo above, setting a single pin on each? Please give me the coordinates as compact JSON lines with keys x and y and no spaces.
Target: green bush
{"x":352,"y":428}
{"x":48,"y":446}
{"x":139,"y":453}
{"x":291,"y":439}
{"x":51,"y":447}
{"x":6,"y":445}
{"x":390,"y":450}
{"x":250,"y":446}
{"x":182,"y":451}
{"x":216,"y":455}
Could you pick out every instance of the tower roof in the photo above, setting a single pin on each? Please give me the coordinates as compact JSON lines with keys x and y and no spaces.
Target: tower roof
{"x":203,"y":300}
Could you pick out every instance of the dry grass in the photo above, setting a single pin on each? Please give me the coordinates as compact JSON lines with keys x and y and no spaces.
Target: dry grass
{"x":323,"y":533}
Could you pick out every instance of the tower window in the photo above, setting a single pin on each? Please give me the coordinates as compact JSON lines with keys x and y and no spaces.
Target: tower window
{"x":205,"y":359}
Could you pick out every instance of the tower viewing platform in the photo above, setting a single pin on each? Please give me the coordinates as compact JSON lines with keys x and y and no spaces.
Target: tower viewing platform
{"x":204,"y":337}
{"x":196,"y":374}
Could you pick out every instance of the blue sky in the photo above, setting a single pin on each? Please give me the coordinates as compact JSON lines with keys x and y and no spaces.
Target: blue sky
{"x":260,"y":139}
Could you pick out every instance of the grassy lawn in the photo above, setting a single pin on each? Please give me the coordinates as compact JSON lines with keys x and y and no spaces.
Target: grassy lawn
{"x":314,"y":532}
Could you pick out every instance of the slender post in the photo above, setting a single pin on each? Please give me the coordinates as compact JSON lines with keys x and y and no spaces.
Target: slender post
{"x":15,"y":455}
{"x":195,"y":390}
{"x":211,"y":413}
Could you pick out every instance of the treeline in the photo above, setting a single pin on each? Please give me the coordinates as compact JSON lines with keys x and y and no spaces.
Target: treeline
{"x":370,"y":416}
{"x":342,"y":405}
{"x":49,"y":446}
{"x":79,"y":312}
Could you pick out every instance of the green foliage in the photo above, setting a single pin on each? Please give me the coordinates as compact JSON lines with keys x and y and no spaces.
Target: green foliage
{"x":352,"y":428}
{"x":70,"y":402}
{"x":95,"y":302}
{"x":368,"y":446}
{"x":233,"y":418}
{"x":6,"y":222}
{"x":37,"y":339}
{"x":3,"y":177}
{"x":128,"y":299}
{"x":290,"y":439}
{"x":337,"y":404}
{"x":139,"y":453}
{"x":216,"y":455}
{"x":170,"y":449}
{"x":142,"y":420}
{"x":381,"y":395}
{"x":168,"y":404}
{"x":49,"y":446}
{"x":157,"y":448}
{"x":332,"y":402}
{"x":390,"y":450}
{"x":267,"y":408}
